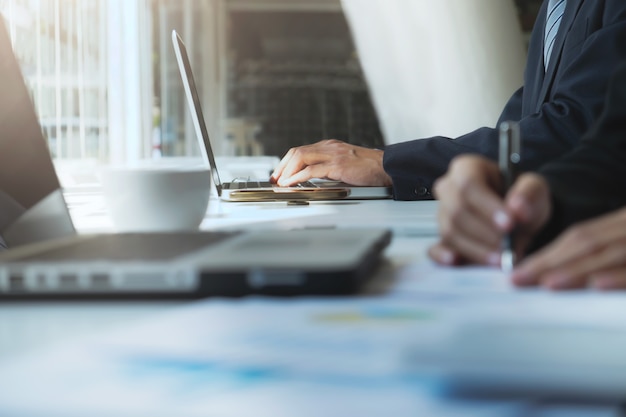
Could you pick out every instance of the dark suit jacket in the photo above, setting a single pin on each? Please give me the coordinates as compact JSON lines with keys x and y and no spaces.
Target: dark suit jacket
{"x":591,"y":179}
{"x":554,"y":108}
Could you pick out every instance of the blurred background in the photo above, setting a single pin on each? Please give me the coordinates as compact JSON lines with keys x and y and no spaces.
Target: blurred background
{"x":273,"y":74}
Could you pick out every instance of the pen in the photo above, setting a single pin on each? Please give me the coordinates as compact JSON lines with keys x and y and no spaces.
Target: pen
{"x":508,"y":160}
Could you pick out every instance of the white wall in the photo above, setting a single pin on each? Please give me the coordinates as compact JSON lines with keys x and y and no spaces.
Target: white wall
{"x":437,"y":67}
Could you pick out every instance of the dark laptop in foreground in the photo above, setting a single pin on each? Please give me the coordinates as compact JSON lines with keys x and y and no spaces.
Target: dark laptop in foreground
{"x":47,"y":259}
{"x":259,"y":190}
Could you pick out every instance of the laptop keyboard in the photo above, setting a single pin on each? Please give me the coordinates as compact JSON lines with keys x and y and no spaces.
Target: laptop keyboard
{"x":245,"y":184}
{"x":241,"y":184}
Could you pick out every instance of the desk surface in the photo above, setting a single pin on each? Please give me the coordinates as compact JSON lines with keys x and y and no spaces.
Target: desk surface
{"x":26,"y":326}
{"x":33,"y":328}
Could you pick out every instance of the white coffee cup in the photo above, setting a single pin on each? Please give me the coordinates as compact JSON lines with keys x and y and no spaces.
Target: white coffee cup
{"x":156,"y":199}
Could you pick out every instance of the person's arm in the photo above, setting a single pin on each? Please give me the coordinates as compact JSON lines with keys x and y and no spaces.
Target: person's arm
{"x":587,"y":182}
{"x":593,"y":50}
{"x":584,"y":184}
{"x":415,"y":165}
{"x":591,"y":180}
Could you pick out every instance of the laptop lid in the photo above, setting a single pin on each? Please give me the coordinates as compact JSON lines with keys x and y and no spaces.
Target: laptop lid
{"x":321,"y":190}
{"x":191,"y":92}
{"x":32,"y":207}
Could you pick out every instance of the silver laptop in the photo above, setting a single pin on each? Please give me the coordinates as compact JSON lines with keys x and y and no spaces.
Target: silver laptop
{"x":45,"y":258}
{"x":259,"y":190}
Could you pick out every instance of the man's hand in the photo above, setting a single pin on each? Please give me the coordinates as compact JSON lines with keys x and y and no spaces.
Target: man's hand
{"x":592,"y":253}
{"x":473,"y":218}
{"x":332,"y":159}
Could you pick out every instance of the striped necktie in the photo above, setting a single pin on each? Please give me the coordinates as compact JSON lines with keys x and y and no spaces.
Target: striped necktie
{"x":553,"y":21}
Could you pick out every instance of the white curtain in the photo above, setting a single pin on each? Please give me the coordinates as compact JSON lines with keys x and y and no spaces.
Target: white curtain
{"x":130,"y":93}
{"x":437,"y":67}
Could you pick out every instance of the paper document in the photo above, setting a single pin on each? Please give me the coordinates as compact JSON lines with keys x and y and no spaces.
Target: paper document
{"x":252,"y":357}
{"x":295,"y":357}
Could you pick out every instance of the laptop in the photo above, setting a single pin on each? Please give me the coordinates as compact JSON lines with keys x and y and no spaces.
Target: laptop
{"x":45,"y":258}
{"x":261,"y":190}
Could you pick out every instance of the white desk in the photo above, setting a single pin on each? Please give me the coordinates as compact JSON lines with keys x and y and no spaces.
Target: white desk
{"x":26,"y":328}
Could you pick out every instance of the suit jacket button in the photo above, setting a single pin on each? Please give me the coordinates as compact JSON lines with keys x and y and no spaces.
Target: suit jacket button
{"x":421,"y":191}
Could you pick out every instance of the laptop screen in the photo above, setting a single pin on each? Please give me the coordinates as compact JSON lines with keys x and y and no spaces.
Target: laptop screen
{"x":27,"y":175}
{"x":194,"y":105}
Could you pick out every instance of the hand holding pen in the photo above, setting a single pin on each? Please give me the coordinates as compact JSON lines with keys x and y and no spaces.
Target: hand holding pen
{"x":475,"y":216}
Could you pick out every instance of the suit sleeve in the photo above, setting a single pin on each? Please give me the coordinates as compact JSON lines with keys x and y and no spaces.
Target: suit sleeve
{"x":591,"y":180}
{"x":593,"y":49}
